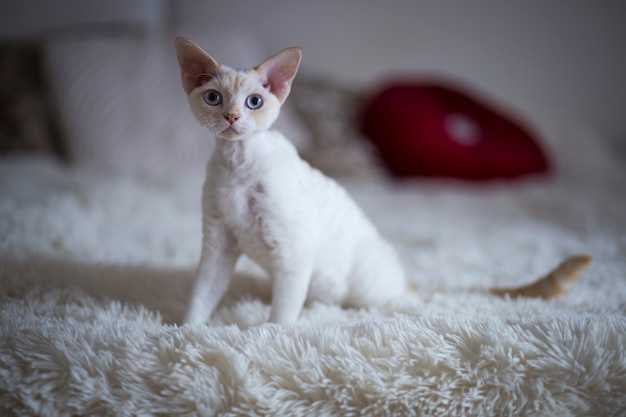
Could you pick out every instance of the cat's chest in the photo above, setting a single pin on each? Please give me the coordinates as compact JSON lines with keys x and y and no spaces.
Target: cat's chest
{"x":250,"y":190}
{"x":242,"y":202}
{"x":240,"y":194}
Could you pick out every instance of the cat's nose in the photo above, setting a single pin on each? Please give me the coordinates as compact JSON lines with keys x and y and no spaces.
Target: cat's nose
{"x":232,"y":117}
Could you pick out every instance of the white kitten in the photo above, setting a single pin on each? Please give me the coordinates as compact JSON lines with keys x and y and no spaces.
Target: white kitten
{"x":262,"y":200}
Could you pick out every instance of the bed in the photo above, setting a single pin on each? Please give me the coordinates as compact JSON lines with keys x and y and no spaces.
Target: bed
{"x":97,"y":257}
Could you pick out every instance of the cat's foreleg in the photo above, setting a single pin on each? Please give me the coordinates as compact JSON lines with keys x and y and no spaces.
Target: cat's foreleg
{"x":217,"y":263}
{"x":290,"y":287}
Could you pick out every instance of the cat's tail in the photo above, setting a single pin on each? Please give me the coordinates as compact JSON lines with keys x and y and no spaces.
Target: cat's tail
{"x":555,"y":283}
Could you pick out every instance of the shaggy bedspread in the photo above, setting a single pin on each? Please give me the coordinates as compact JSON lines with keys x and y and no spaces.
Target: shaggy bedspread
{"x":96,"y":269}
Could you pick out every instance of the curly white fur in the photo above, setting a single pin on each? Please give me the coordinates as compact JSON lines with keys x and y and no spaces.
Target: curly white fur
{"x":260,"y":199}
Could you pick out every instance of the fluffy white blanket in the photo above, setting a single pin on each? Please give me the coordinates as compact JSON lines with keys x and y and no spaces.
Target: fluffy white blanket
{"x":96,"y":270}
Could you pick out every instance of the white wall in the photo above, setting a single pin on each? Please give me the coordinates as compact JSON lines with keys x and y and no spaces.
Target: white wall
{"x":566,"y":57}
{"x":36,"y":18}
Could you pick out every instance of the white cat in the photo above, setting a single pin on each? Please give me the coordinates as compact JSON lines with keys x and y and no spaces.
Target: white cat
{"x":262,"y":200}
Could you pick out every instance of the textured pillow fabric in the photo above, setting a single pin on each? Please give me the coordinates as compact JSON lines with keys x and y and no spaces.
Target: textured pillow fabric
{"x":27,"y":121}
{"x":328,"y":110}
{"x":437,"y":130}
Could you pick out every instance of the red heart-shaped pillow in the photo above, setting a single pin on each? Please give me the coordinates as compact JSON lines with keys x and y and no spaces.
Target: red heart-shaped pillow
{"x":435,"y":130}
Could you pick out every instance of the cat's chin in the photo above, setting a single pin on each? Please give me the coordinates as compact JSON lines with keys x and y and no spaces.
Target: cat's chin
{"x":231,"y":134}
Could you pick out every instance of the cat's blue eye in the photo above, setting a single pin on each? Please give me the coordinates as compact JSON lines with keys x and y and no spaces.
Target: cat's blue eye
{"x":254,"y":101}
{"x":212,"y":98}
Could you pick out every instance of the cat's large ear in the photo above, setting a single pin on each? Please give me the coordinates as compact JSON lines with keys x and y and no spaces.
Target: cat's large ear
{"x":278,"y":71}
{"x":196,"y":66}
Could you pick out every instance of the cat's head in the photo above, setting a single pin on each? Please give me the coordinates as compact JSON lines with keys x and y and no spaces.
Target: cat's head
{"x":234,"y":103}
